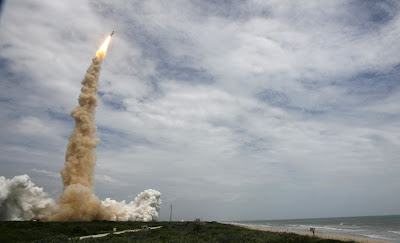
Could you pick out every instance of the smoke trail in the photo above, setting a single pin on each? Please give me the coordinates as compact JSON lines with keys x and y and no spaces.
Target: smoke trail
{"x":78,"y":201}
{"x":20,"y":199}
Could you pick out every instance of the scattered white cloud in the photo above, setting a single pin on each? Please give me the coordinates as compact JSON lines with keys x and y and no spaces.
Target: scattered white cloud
{"x":225,"y":102}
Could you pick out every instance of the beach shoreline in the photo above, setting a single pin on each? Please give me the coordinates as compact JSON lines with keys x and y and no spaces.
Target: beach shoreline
{"x":322,"y":236}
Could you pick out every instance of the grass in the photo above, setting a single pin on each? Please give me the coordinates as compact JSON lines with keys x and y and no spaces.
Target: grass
{"x":171,"y":232}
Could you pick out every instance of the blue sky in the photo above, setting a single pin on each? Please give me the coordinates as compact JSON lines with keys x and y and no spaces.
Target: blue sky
{"x":233,"y":110}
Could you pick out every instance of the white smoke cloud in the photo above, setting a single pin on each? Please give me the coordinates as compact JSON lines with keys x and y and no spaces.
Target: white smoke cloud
{"x":145,"y":207}
{"x":20,"y":199}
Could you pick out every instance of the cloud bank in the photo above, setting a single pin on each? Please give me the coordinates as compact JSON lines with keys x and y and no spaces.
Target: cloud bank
{"x":212,"y":102}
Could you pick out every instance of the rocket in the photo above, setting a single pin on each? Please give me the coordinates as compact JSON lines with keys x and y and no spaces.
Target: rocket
{"x":112,"y":33}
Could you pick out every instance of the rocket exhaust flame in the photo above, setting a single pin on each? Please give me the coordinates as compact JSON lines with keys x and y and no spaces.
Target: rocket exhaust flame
{"x":103,"y":48}
{"x":78,"y":201}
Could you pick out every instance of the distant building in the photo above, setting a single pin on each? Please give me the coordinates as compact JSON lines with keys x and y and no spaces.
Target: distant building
{"x":197,"y":220}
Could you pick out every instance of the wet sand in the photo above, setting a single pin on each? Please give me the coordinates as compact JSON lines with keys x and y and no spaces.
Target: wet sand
{"x":323,"y":236}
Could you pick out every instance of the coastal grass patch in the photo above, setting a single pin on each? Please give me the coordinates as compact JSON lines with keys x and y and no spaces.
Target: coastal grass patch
{"x":30,"y":231}
{"x":206,"y":232}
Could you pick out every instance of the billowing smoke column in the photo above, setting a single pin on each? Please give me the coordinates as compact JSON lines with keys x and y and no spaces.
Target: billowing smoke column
{"x":78,"y":201}
{"x":21,"y":200}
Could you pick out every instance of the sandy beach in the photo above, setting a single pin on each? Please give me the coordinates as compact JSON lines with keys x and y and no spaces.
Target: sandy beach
{"x":323,"y":236}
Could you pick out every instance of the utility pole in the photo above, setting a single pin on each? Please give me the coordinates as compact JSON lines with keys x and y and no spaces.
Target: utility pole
{"x":170,"y":216}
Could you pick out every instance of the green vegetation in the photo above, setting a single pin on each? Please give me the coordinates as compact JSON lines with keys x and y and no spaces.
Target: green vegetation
{"x":171,"y":232}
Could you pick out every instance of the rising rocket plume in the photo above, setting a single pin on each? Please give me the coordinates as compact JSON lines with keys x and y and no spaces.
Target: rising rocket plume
{"x":21,"y":200}
{"x":78,"y":201}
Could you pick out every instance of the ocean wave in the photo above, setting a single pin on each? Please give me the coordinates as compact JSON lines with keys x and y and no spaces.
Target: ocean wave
{"x":320,"y":227}
{"x":262,"y":225}
{"x":349,"y":225}
{"x":326,"y":228}
{"x":252,"y":225}
{"x":378,"y":237}
{"x":338,"y":229}
{"x":396,"y":232}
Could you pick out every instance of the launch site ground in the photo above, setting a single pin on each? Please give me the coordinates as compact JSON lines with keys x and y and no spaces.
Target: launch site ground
{"x":34,"y":231}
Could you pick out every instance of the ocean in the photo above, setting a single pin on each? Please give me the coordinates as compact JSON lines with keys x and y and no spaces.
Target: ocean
{"x":383,"y":228}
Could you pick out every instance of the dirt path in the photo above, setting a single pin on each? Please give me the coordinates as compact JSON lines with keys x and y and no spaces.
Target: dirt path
{"x":115,"y":233}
